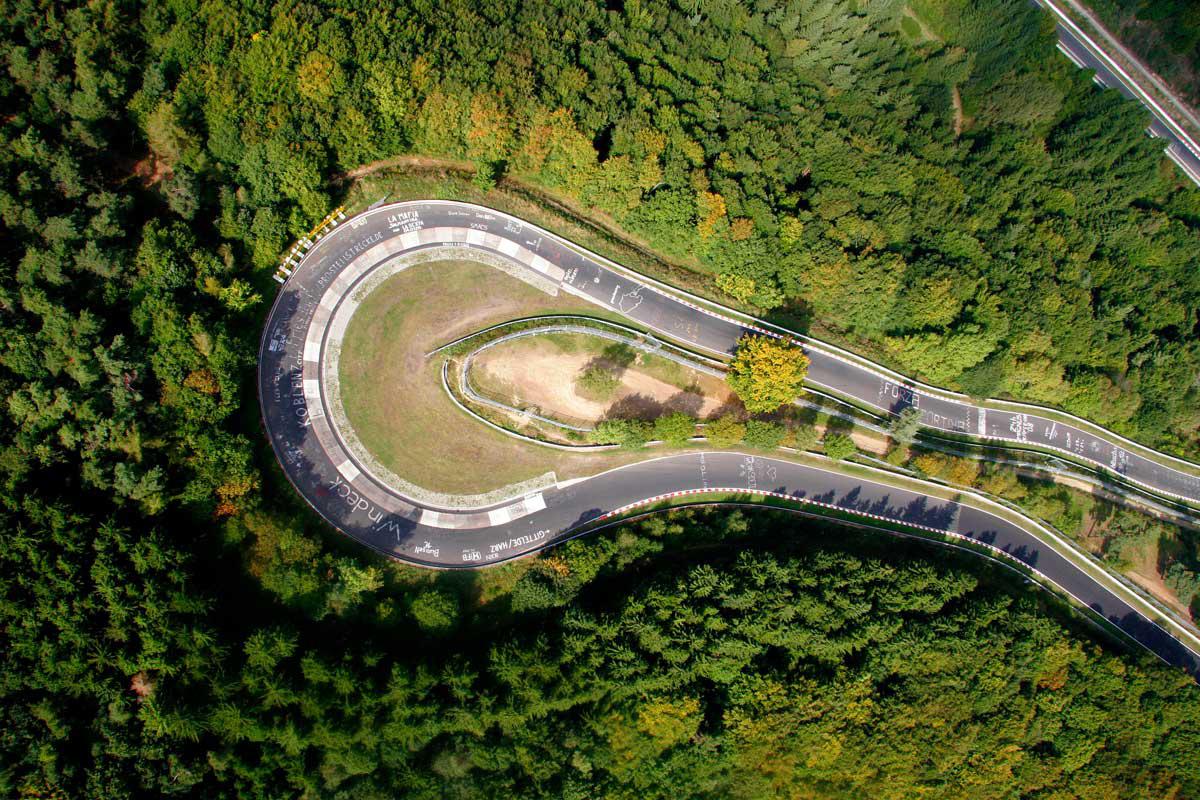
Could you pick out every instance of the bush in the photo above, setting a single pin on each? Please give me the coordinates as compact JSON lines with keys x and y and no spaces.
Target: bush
{"x":1183,"y":581}
{"x":597,"y":383}
{"x":897,"y":456}
{"x":674,"y":428}
{"x":435,"y":610}
{"x":1003,"y":482}
{"x":725,"y":431}
{"x":628,"y":433}
{"x":803,"y":437}
{"x":764,"y":435}
{"x":960,"y":471}
{"x":838,"y":446}
{"x":904,"y":427}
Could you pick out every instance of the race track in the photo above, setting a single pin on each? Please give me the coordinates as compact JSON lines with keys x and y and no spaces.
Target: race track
{"x":313,"y":308}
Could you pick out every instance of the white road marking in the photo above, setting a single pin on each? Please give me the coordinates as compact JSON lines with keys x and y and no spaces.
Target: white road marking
{"x":630,"y":301}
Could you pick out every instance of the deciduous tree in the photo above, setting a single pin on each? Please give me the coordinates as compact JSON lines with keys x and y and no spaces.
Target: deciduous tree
{"x":767,"y":373}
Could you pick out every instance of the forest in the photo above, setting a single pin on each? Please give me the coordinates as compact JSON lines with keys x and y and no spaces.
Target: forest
{"x":633,"y":664}
{"x":930,"y":183}
{"x":979,"y":216}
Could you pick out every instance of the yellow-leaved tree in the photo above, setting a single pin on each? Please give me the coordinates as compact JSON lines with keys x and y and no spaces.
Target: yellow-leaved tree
{"x":767,"y":373}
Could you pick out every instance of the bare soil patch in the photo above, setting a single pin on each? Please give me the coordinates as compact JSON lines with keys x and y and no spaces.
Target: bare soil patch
{"x":956,"y":100}
{"x":151,"y":170}
{"x":1153,"y":583}
{"x":1144,"y":570}
{"x":539,"y":372}
{"x":1145,"y":559}
{"x":402,"y":162}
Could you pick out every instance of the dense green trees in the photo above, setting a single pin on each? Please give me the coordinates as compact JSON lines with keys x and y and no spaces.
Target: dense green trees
{"x":774,"y":674}
{"x":959,"y":197}
{"x":106,"y":646}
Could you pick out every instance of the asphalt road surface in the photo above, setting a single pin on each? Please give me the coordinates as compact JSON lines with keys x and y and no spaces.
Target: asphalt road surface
{"x":341,"y":489}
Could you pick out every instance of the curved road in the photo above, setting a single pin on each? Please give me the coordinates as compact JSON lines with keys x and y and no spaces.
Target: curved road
{"x":315,"y":303}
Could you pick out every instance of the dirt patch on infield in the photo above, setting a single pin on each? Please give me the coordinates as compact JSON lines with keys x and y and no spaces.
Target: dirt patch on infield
{"x":536,"y":372}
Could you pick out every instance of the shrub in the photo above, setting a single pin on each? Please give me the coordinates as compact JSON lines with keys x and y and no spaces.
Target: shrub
{"x":674,"y":428}
{"x":904,"y":427}
{"x":1183,"y":581}
{"x":961,"y":471}
{"x":725,"y":431}
{"x":803,"y":437}
{"x":1003,"y":482}
{"x":897,"y":456}
{"x":597,"y":383}
{"x":764,"y":435}
{"x":838,"y":446}
{"x":628,"y":433}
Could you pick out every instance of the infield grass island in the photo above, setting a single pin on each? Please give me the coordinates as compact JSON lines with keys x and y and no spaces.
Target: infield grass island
{"x":393,"y":395}
{"x":394,"y":400}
